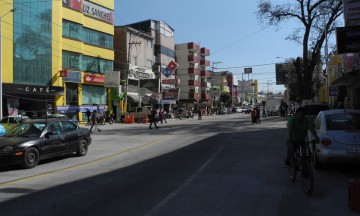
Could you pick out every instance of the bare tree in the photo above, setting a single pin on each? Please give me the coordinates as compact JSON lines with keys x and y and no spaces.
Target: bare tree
{"x":317,"y":18}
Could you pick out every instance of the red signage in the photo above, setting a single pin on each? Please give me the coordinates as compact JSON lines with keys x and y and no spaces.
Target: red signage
{"x":170,"y":81}
{"x":91,"y":78}
{"x":63,"y":73}
{"x":172,"y":66}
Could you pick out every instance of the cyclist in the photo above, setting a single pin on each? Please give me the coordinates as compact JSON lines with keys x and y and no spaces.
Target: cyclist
{"x":298,"y":126}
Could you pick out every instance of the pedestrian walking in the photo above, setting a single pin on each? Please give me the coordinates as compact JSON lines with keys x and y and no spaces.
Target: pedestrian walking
{"x":264,"y":112}
{"x":153,"y":118}
{"x":163,"y":116}
{"x":257,"y":115}
{"x":88,"y":115}
{"x":199,"y":114}
{"x":93,"y":122}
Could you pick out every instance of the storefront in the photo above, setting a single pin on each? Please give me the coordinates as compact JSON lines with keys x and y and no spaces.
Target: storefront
{"x":30,"y":100}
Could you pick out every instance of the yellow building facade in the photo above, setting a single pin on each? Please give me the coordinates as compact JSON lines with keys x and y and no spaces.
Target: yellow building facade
{"x":56,"y":55}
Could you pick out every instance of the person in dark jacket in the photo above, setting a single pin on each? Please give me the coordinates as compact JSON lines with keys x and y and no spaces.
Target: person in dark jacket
{"x":93,"y":122}
{"x":153,"y":118}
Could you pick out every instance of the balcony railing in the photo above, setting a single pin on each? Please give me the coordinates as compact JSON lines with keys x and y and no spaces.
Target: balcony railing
{"x":194,"y":71}
{"x":204,"y":51}
{"x":193,"y":59}
{"x":205,"y":73}
{"x":193,"y":95}
{"x":193,"y":46}
{"x":194,"y":83}
{"x":204,"y":63}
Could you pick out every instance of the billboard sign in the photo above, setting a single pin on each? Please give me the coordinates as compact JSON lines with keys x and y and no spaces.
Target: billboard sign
{"x":282,"y":73}
{"x":347,"y":39}
{"x":247,"y":70}
{"x":112,"y":79}
{"x":351,"y":12}
{"x":170,"y":94}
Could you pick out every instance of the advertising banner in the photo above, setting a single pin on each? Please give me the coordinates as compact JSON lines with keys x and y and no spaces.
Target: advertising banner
{"x":170,"y":94}
{"x":73,"y":4}
{"x":112,"y":79}
{"x":98,"y":12}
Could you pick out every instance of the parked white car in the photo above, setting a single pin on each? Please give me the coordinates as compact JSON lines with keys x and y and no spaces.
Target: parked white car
{"x":339,"y":133}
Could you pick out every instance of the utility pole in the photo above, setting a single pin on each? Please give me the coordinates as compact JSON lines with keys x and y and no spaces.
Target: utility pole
{"x":212,"y":82}
{"x":124,"y":108}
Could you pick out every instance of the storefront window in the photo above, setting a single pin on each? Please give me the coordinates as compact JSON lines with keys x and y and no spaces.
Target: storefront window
{"x":93,"y":94}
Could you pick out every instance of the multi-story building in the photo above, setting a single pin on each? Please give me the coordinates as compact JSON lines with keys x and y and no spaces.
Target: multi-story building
{"x":195,"y":82}
{"x":56,"y":53}
{"x":164,"y":51}
{"x":134,"y":58}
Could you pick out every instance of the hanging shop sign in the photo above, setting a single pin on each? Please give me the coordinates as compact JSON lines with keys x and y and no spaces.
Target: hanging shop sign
{"x":91,"y":78}
{"x":170,"y":94}
{"x":73,"y":76}
{"x":170,"y":81}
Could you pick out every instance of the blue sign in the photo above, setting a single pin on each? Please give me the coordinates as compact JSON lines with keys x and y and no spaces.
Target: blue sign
{"x":73,"y":76}
{"x":167,"y":72}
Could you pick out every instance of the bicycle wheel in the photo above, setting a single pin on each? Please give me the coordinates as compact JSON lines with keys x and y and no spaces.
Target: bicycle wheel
{"x":292,"y":168}
{"x":307,"y":177}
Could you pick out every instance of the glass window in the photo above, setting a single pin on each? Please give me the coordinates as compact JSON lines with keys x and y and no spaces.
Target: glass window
{"x":97,"y":38}
{"x":32,"y":42}
{"x":72,"y":30}
{"x":71,"y":93}
{"x":149,"y":63}
{"x":93,"y":94}
{"x":67,"y":126}
{"x":91,"y":64}
{"x":54,"y":127}
{"x":71,"y":60}
{"x":343,"y":121}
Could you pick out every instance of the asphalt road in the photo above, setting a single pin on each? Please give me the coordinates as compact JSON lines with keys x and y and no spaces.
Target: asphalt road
{"x":221,"y":165}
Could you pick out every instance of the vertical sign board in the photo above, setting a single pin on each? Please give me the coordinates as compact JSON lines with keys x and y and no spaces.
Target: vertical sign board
{"x":281,"y":74}
{"x":347,"y":39}
{"x":351,"y":12}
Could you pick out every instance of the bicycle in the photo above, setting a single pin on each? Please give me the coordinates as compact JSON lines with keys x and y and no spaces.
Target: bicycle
{"x":301,"y":161}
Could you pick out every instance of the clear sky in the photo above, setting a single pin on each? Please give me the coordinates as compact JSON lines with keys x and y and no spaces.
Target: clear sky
{"x":228,"y":28}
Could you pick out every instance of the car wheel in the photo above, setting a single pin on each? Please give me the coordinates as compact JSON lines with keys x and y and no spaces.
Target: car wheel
{"x":31,"y":158}
{"x":83,"y":148}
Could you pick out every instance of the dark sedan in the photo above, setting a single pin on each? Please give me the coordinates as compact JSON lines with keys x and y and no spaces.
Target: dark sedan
{"x":32,"y":141}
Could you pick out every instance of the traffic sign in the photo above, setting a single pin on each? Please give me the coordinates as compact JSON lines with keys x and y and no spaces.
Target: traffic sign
{"x":333,"y":91}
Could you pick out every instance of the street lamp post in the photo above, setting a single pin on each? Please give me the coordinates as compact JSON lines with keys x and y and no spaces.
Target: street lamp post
{"x":1,"y":62}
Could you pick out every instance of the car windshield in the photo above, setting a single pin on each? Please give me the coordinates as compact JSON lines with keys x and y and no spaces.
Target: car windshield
{"x":343,"y":121}
{"x":27,"y":130}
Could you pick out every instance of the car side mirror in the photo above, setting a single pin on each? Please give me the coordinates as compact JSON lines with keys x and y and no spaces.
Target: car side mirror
{"x":49,"y":133}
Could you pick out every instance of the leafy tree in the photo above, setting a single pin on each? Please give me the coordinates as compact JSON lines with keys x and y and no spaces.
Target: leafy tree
{"x":225,"y":97}
{"x":317,"y":19}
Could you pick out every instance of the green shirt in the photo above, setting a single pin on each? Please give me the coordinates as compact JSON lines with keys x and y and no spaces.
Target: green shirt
{"x":300,"y":128}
